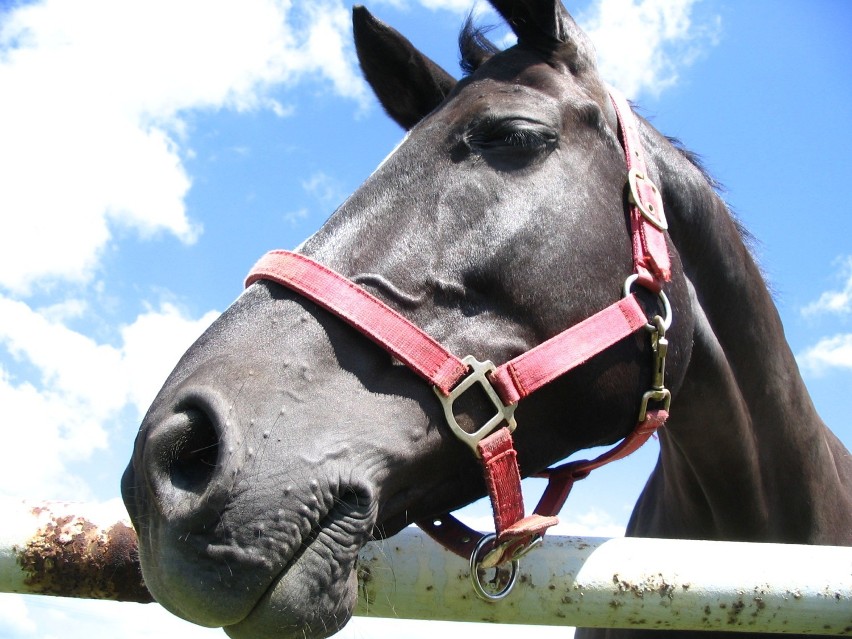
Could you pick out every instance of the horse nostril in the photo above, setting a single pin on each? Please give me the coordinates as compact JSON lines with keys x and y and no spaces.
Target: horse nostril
{"x":196,"y":454}
{"x":182,"y":459}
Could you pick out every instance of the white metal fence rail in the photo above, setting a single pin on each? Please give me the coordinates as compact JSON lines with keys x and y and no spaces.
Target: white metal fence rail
{"x":74,"y":550}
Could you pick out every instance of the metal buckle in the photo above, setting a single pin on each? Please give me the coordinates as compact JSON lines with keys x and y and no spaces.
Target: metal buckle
{"x":656,"y":217}
{"x":478,"y":374}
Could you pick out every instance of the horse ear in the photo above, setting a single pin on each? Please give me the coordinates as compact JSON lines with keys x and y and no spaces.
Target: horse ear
{"x":407,"y":83}
{"x":546,"y":24}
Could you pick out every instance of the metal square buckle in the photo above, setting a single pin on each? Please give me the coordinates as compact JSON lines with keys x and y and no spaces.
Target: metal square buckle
{"x":653,"y":210}
{"x":478,"y":373}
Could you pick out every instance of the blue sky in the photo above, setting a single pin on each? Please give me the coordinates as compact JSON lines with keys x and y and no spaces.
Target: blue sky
{"x":151,"y":151}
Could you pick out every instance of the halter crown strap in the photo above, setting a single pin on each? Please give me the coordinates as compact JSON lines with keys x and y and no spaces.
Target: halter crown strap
{"x":647,"y":218}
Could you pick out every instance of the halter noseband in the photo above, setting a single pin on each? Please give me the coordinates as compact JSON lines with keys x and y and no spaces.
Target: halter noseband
{"x":505,"y":385}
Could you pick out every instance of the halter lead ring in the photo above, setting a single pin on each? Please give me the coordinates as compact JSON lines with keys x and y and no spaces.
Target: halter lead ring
{"x":667,"y":307}
{"x":508,"y":582}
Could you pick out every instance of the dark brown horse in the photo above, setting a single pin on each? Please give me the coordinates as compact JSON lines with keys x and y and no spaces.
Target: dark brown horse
{"x":284,"y":440}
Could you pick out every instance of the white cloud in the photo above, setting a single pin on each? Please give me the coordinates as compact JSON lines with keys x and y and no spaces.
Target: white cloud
{"x":152,"y":345}
{"x":462,"y":7}
{"x":43,"y":617}
{"x":326,"y":45}
{"x":457,"y":6}
{"x":594,"y":523}
{"x":643,"y":44}
{"x":95,"y":95}
{"x":828,"y":353}
{"x":834,"y":352}
{"x":367,"y":628}
{"x":837,"y":302}
{"x":15,"y":618}
{"x":296,"y":217}
{"x":62,"y":415}
{"x":39,"y":617}
{"x":324,"y":188}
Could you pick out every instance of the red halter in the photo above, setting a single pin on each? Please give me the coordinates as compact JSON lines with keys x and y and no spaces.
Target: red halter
{"x":510,"y":382}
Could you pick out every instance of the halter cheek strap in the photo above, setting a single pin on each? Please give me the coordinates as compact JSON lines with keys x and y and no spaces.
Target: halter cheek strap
{"x":647,"y":218}
{"x":507,"y":384}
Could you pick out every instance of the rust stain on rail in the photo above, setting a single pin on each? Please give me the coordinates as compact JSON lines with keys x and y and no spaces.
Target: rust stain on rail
{"x":70,"y":556}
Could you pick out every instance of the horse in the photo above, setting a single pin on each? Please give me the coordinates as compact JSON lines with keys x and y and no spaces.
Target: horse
{"x":296,"y":429}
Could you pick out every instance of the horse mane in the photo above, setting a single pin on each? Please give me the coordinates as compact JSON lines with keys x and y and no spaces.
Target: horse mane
{"x":747,"y":237}
{"x":474,"y":46}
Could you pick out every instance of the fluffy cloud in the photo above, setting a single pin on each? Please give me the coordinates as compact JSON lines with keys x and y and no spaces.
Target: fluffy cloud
{"x":461,"y":7}
{"x":836,"y":302}
{"x":60,"y":413}
{"x":828,"y":353}
{"x":593,"y":523}
{"x":36,"y":617}
{"x":643,"y":44}
{"x":834,"y":352}
{"x":95,"y":95}
{"x":458,"y":6}
{"x":324,"y":188}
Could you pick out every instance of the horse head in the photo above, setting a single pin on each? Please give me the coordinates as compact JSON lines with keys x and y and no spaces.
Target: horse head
{"x":284,"y":440}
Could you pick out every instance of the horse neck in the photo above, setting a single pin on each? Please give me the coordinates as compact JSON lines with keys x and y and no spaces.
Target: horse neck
{"x":745,"y":455}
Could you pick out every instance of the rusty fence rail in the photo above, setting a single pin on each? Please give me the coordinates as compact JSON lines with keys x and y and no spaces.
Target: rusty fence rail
{"x":80,"y":550}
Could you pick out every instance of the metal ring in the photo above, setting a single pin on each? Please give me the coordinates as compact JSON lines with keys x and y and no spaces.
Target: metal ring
{"x":478,"y":586}
{"x":667,"y":307}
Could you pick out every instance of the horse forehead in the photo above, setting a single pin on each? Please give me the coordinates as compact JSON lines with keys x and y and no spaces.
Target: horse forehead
{"x":521,"y":87}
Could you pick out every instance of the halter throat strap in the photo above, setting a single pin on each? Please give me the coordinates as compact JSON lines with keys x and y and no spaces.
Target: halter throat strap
{"x":512,"y":381}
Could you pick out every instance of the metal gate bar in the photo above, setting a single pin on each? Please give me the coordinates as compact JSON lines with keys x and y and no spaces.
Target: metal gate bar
{"x":81,"y":550}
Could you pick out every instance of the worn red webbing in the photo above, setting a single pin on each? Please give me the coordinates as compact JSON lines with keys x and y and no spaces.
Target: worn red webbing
{"x":500,"y":461}
{"x":372,"y":317}
{"x":650,"y":252}
{"x":513,"y":380}
{"x":528,"y":372}
{"x":460,"y":539}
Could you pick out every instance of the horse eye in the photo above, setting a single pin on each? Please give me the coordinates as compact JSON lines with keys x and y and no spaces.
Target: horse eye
{"x":515,"y":136}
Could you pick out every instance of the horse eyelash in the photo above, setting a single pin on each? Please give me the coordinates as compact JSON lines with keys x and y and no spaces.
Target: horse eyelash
{"x":509,"y":134}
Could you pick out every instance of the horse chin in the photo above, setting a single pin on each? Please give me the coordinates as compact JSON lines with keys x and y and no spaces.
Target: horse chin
{"x":306,"y":586}
{"x":292,"y":607}
{"x":315,"y":593}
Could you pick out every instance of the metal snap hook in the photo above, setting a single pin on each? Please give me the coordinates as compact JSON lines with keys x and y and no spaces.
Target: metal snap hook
{"x":503,"y":581}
